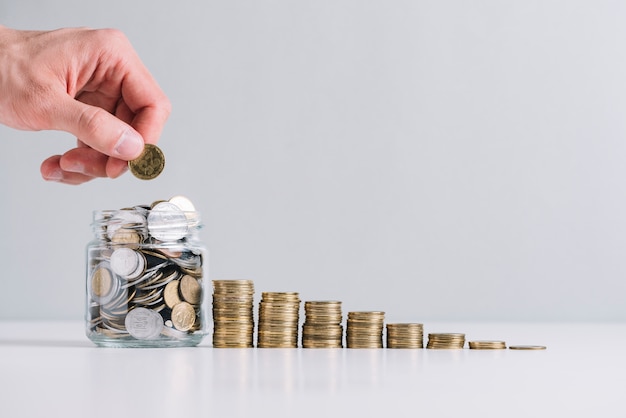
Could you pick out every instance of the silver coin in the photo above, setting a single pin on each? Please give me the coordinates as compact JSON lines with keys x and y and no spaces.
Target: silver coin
{"x":144,"y":324}
{"x":188,"y":208}
{"x":188,"y":260}
{"x":127,"y":263}
{"x":183,"y":203}
{"x":166,"y":222}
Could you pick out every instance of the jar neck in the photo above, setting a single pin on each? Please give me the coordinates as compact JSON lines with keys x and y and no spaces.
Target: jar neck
{"x":141,"y":225}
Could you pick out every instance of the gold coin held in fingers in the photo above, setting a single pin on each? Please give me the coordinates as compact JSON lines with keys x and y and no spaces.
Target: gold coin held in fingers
{"x":149,"y":164}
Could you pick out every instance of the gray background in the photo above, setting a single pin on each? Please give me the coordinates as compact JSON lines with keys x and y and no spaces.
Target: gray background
{"x":434,"y":159}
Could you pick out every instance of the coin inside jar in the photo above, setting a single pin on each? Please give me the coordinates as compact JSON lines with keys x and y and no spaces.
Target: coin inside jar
{"x":127,"y":263}
{"x":190,"y":289}
{"x":187,"y":207}
{"x":183,"y":316}
{"x":143,"y":323}
{"x":166,"y":222}
{"x":126,"y":236}
{"x":101,"y":282}
{"x":170,"y":294}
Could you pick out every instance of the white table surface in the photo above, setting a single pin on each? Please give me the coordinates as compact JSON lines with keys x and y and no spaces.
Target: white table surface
{"x":51,"y":369}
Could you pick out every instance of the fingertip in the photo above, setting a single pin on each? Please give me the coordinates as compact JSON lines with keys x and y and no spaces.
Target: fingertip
{"x":51,"y":169}
{"x":129,"y":146}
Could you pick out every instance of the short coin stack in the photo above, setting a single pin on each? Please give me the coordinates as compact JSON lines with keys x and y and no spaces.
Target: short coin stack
{"x":278,"y":320}
{"x":365,"y":329}
{"x":487,"y":345}
{"x":405,"y":335}
{"x":233,"y":313}
{"x":446,"y":341}
{"x":322,"y":325}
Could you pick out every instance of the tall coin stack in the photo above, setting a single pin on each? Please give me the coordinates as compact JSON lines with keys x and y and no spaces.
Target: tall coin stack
{"x":233,"y":310}
{"x":278,"y":320}
{"x":405,"y":336}
{"x":365,"y":329}
{"x":446,"y":341}
{"x":322,"y":325}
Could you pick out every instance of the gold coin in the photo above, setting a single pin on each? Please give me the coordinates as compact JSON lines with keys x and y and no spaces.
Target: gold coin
{"x":365,"y":315}
{"x":149,"y":164}
{"x":156,"y":202}
{"x":280,"y":297}
{"x":183,"y":316}
{"x":101,"y":282}
{"x":126,"y":236}
{"x":170,"y":294}
{"x":406,"y":326}
{"x":190,"y":289}
{"x":446,"y":336}
{"x":527,"y":347}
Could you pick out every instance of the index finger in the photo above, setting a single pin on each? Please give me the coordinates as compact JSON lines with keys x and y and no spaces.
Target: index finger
{"x":146,"y":100}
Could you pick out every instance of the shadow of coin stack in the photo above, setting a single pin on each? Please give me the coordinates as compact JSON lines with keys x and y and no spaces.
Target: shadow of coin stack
{"x":322,"y":325}
{"x":446,"y":341}
{"x":405,"y":335}
{"x":365,"y":329}
{"x":233,"y":310}
{"x":278,"y":320}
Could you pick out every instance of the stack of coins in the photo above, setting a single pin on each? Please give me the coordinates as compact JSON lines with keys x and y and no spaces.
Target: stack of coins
{"x":405,"y":335}
{"x":145,"y":280}
{"x":233,"y":315}
{"x":322,"y":325}
{"x":365,"y":329}
{"x":278,"y":320}
{"x":446,"y":341}
{"x":487,"y":345}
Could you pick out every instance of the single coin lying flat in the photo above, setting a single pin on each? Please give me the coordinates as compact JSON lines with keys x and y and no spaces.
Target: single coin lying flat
{"x":527,"y":347}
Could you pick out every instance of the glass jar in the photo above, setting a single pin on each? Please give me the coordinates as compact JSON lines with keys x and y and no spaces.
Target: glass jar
{"x":146,"y":278}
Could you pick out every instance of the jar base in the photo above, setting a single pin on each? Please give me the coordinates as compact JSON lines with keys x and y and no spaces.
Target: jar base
{"x":130,"y":342}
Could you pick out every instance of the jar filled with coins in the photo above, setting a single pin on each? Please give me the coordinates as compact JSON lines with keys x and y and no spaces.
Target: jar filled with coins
{"x":146,"y":276}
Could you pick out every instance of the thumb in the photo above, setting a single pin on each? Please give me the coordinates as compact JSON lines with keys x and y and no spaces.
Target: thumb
{"x":98,"y":129}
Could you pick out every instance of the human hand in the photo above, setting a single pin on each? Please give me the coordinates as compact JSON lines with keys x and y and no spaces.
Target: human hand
{"x":90,"y":83}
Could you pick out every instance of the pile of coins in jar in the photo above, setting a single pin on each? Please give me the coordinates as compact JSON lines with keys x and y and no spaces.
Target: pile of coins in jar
{"x":144,"y":274}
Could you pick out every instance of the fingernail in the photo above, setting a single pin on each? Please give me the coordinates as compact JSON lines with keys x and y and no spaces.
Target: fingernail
{"x":55,"y":175}
{"x":129,"y":146}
